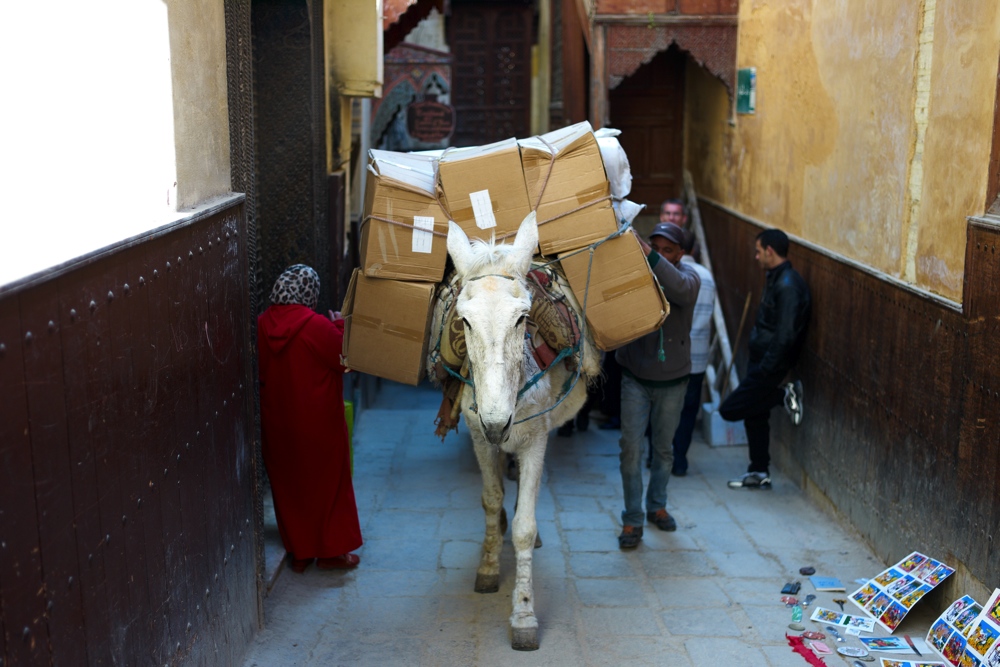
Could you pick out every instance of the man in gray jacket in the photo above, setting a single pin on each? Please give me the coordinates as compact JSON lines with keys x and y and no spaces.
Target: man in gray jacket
{"x":655,"y":372}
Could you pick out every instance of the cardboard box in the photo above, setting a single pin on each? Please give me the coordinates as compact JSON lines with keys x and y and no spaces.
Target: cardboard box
{"x":624,"y":301}
{"x":386,"y":327}
{"x":401,"y":188}
{"x":484,"y":188}
{"x":577,"y":179}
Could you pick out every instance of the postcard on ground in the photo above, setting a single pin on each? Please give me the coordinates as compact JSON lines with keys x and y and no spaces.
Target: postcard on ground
{"x":893,"y":662}
{"x":861,"y":623}
{"x":886,"y":644}
{"x":888,"y":597}
{"x":982,"y":648}
{"x":952,"y":628}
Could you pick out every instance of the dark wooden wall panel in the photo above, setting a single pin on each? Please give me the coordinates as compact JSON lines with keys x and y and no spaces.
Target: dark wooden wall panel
{"x":26,"y":636}
{"x":85,"y":338}
{"x":126,"y":458}
{"x":51,"y":471}
{"x":902,"y":428}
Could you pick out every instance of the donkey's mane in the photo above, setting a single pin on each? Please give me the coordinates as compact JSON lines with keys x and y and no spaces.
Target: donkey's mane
{"x":490,"y":255}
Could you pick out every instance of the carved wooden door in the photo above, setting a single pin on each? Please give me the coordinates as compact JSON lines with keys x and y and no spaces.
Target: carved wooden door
{"x":648,"y":107}
{"x":491,"y":89}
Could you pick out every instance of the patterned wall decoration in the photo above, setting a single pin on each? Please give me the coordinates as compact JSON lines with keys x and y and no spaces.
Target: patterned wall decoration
{"x":290,"y":157}
{"x":414,"y":75}
{"x":492,"y":84}
{"x":712,"y":47}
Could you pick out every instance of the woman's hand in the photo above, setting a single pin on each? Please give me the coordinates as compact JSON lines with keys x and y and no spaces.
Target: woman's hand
{"x":335,"y":315}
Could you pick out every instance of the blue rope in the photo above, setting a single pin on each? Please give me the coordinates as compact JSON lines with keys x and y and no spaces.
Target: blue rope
{"x":567,"y":351}
{"x":578,"y":348}
{"x":563,"y":353}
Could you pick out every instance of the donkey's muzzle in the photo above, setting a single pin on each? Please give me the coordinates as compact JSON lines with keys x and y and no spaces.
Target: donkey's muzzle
{"x":496,"y":432}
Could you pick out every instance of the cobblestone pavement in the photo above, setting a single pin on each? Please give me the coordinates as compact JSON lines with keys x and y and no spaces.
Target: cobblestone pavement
{"x":707,"y":594}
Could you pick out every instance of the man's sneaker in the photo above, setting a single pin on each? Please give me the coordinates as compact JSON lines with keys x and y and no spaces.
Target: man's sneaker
{"x":630,"y":537}
{"x":662,"y":519}
{"x":751,"y":480}
{"x":793,"y":401}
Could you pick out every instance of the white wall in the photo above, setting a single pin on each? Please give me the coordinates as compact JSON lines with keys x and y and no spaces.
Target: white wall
{"x":87,"y":128}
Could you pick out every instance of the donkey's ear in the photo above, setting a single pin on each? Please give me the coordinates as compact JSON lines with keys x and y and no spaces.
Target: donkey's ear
{"x":525,"y":243}
{"x":459,"y":248}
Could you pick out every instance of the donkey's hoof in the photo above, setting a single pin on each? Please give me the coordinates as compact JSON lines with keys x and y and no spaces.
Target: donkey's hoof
{"x":524,"y":639}
{"x":538,"y":541}
{"x":487,"y":583}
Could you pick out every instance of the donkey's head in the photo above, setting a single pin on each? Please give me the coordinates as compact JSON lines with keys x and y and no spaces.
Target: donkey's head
{"x":494,"y":304}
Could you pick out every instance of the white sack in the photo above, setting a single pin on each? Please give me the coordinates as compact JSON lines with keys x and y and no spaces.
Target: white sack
{"x":615,"y":162}
{"x":625,"y":211}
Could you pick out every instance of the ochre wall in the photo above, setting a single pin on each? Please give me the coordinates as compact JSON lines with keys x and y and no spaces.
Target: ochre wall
{"x":860,"y":142}
{"x":963,"y":80}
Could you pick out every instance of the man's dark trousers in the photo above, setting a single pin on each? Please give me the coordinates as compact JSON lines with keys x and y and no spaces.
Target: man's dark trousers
{"x":752,"y":402}
{"x":685,"y":428}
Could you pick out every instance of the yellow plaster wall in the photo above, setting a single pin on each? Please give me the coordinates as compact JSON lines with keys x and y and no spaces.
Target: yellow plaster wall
{"x":201,"y":107}
{"x":959,"y":136}
{"x":838,"y":152}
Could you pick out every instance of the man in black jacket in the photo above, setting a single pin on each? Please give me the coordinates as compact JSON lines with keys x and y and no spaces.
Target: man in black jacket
{"x":775,"y":341}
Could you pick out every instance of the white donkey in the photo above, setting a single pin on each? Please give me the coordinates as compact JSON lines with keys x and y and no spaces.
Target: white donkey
{"x":494,"y":302}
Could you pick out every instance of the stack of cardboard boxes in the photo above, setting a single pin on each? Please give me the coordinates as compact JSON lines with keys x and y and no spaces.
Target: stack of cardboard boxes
{"x":488,"y":191}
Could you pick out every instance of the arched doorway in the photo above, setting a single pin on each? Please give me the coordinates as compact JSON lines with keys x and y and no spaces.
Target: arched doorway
{"x":648,"y":107}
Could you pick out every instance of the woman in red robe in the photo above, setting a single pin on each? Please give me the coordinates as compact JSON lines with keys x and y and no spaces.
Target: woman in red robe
{"x":304,"y":432}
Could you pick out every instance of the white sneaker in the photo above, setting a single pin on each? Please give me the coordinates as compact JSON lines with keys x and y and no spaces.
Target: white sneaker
{"x":751,"y":480}
{"x":793,"y":401}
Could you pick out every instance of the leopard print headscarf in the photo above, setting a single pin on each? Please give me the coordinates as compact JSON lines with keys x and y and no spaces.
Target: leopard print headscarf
{"x":298,"y":284}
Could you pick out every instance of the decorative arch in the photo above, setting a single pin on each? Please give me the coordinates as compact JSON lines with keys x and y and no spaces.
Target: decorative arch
{"x":712,"y":47}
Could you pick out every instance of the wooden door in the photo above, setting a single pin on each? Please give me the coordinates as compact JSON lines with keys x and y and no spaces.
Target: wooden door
{"x":491,"y":89}
{"x":648,"y":107}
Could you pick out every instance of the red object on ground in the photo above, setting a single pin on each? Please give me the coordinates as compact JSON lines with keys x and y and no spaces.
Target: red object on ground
{"x":304,"y":432}
{"x":797,"y":645}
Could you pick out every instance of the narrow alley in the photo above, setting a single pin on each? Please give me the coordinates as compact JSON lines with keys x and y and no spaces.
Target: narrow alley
{"x":705,"y":595}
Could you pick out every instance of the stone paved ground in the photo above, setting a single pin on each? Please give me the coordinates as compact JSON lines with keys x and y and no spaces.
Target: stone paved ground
{"x":704,"y":595}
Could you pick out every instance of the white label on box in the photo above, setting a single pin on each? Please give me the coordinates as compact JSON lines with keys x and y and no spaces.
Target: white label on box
{"x":422,"y":241}
{"x":482,"y":208}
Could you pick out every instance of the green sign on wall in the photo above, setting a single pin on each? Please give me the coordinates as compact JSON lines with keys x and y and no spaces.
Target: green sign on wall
{"x":746,"y":90}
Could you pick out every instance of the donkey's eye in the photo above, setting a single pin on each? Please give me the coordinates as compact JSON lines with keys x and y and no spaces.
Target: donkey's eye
{"x":520,"y":320}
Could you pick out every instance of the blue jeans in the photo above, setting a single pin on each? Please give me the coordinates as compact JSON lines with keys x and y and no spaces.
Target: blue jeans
{"x":641,"y":404}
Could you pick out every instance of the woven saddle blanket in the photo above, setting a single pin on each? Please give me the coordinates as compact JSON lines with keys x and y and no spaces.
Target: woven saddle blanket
{"x":553,"y":325}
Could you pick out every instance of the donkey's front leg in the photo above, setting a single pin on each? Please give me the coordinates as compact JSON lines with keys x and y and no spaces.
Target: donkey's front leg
{"x":488,"y":574}
{"x":523,"y":624}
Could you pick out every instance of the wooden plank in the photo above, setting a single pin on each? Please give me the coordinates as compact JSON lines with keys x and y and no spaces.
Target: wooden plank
{"x":84,"y":363}
{"x":243,"y":558}
{"x":221,"y":339}
{"x":162,"y":494}
{"x":21,"y":608}
{"x":125,"y":434}
{"x":599,"y":78}
{"x":204,"y":490}
{"x":146,"y":515}
{"x":573,"y":61}
{"x":186,"y":475}
{"x":46,"y":392}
